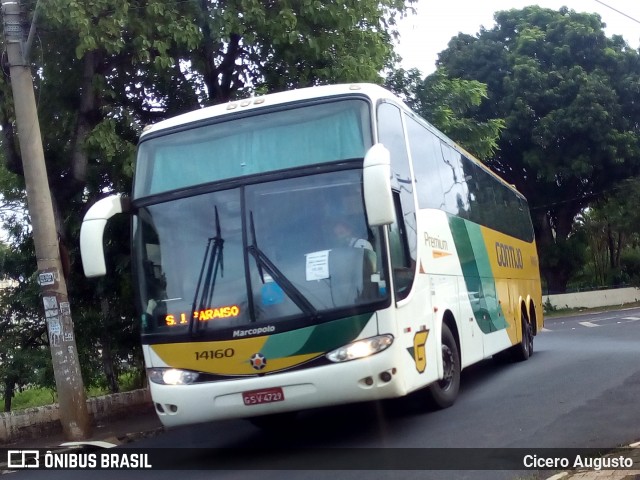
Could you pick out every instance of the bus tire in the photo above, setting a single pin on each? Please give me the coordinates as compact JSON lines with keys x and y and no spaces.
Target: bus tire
{"x":523,"y":350}
{"x":443,"y":393}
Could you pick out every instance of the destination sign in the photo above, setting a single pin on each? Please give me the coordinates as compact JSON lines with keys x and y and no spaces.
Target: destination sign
{"x":204,"y":315}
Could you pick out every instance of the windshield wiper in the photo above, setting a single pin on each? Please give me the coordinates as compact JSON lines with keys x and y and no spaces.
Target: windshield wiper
{"x":212,"y":262}
{"x":263,"y":262}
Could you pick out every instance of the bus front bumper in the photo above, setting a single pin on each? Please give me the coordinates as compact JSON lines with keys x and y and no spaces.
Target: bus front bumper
{"x":367,"y":379}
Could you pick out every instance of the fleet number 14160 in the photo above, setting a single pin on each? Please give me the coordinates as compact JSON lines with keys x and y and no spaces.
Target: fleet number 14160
{"x":215,"y":354}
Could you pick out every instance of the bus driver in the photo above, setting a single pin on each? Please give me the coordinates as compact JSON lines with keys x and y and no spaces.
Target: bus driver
{"x":345,"y":236}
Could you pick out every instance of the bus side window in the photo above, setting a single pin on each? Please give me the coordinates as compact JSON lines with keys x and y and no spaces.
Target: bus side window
{"x":427,"y":157}
{"x":401,"y":264}
{"x":392,"y":135}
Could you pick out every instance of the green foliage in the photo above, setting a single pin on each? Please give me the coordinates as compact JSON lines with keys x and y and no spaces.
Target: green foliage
{"x":30,"y":396}
{"x":630,"y":266}
{"x":449,"y":104}
{"x":612,"y":227}
{"x":313,"y":42}
{"x":569,"y":98}
{"x":567,"y":256}
{"x":24,"y":356}
{"x":33,"y":397}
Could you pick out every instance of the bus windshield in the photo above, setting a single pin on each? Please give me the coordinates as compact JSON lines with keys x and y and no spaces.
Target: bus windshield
{"x":260,"y":258}
{"x":253,"y":144}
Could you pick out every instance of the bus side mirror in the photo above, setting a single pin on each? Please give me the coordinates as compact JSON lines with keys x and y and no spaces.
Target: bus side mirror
{"x":376,"y":178}
{"x":92,"y":230}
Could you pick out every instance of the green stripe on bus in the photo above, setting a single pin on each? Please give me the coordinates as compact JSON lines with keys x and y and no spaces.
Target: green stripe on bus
{"x":320,"y":338}
{"x":477,"y":273}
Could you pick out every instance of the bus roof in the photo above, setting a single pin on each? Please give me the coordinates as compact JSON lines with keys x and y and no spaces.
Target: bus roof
{"x":370,"y":90}
{"x":374,"y":92}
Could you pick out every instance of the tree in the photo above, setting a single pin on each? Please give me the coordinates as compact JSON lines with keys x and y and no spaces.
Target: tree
{"x":612,"y":226}
{"x":449,"y":104}
{"x":570,"y":99}
{"x":24,"y":355}
{"x":121,"y":65}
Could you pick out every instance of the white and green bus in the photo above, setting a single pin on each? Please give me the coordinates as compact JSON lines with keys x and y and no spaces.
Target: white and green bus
{"x":251,"y":306}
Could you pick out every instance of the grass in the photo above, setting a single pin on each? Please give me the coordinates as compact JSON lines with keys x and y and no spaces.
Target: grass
{"x":32,"y":397}
{"x":38,"y":396}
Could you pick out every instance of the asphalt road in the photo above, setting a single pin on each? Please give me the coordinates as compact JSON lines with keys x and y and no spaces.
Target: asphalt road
{"x":581,"y":388}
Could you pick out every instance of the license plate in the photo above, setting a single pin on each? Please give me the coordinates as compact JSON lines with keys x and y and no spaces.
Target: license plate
{"x":266,"y":395}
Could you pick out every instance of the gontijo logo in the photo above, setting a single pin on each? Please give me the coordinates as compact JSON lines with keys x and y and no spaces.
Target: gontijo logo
{"x":508,"y":256}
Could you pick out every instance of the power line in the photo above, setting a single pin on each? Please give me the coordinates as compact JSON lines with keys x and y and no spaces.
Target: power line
{"x":618,"y":11}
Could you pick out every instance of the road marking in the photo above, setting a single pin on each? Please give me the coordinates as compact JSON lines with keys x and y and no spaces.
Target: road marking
{"x":633,"y":319}
{"x":545,"y":329}
{"x":589,"y":324}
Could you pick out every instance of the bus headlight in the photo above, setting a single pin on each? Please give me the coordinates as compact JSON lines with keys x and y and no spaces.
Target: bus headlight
{"x":361,"y":348}
{"x":171,"y":376}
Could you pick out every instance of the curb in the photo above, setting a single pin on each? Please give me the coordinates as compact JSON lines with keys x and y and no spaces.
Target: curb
{"x":35,"y":422}
{"x":615,"y":474}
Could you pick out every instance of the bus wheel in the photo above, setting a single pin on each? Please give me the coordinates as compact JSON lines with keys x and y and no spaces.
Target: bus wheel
{"x":443,"y":393}
{"x":524,"y":349}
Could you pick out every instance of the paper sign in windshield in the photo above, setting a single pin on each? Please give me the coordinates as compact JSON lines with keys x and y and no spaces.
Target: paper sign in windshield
{"x":318,"y":265}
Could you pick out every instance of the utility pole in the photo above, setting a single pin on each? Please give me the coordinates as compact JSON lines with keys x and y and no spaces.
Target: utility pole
{"x":74,"y":415}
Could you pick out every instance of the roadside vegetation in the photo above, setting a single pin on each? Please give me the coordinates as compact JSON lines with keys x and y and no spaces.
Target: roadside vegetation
{"x":34,"y":396}
{"x":554,"y":312}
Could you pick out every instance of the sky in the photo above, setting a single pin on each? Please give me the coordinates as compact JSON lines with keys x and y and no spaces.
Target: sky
{"x":428,"y":32}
